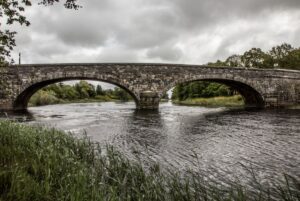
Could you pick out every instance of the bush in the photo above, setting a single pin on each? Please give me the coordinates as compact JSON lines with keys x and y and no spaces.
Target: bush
{"x":44,"y":98}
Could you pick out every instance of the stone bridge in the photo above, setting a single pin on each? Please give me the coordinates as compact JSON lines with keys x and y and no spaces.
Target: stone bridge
{"x":148,"y":82}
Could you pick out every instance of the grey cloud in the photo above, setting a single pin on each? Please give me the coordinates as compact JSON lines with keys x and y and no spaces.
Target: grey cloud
{"x":165,"y":53}
{"x":47,"y":50}
{"x":24,"y":39}
{"x":195,"y":14}
{"x":76,"y":29}
{"x":138,"y":27}
{"x":295,"y":37}
{"x":116,"y":56}
{"x":147,"y":27}
{"x":124,"y":30}
{"x":86,"y":33}
{"x":260,"y":33}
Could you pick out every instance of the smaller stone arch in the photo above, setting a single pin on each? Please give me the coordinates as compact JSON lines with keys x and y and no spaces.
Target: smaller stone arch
{"x":252,"y":97}
{"x":22,"y":99}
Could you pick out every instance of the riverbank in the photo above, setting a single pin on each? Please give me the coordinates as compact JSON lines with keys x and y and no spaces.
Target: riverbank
{"x":45,"y":98}
{"x":226,"y":101}
{"x":46,"y":164}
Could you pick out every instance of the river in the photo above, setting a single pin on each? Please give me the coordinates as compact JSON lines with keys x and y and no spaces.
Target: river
{"x":219,"y":142}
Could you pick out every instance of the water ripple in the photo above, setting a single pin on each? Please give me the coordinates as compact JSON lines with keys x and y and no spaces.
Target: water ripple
{"x":218,"y":142}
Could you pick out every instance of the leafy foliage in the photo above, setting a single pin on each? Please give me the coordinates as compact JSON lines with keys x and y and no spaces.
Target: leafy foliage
{"x":281,"y":56}
{"x":200,"y":89}
{"x":255,"y":58}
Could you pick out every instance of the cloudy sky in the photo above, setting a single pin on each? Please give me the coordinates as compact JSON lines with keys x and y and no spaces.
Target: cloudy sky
{"x":171,"y":31}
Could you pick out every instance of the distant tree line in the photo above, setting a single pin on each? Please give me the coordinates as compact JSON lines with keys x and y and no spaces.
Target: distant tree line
{"x":200,"y":89}
{"x":61,"y":93}
{"x":85,"y":90}
{"x":282,"y":56}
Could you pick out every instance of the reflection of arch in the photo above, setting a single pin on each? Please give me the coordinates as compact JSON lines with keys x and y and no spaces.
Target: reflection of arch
{"x":251,"y":95}
{"x":23,"y":98}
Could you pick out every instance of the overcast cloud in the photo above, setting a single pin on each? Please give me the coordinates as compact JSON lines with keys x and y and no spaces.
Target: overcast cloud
{"x":173,"y":31}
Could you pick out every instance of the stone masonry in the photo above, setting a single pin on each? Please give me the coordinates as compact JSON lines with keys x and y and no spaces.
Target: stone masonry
{"x":148,"y":82}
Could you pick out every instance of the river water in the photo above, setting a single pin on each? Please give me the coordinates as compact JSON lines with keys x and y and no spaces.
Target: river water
{"x":220,"y":142}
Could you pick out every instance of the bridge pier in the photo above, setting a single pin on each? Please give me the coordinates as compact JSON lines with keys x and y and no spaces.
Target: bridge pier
{"x":149,"y":100}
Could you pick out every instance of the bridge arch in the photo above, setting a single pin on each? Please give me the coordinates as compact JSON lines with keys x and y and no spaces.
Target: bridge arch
{"x":29,"y":89}
{"x":251,"y":95}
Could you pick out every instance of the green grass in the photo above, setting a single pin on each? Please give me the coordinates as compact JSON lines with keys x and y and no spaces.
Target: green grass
{"x":38,"y":164}
{"x":228,"y":101}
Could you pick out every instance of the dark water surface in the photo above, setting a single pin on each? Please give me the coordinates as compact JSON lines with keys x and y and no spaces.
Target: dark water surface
{"x":220,"y":142}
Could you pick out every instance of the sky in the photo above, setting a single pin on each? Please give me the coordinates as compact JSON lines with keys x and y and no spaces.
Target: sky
{"x":157,"y":31}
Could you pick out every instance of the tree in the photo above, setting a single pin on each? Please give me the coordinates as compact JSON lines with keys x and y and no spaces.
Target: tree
{"x":99,"y":91}
{"x":279,"y":54}
{"x":62,"y":91}
{"x":165,"y":96}
{"x":178,"y":92}
{"x":85,"y":90}
{"x":281,"y":51}
{"x":183,"y":92}
{"x":234,"y":61}
{"x":200,"y":89}
{"x":256,"y":58}
{"x":12,"y":10}
{"x":68,"y":92}
{"x":292,"y":60}
{"x":121,"y":94}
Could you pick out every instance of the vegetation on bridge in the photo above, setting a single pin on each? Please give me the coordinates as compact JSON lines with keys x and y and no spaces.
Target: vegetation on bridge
{"x":80,"y":92}
{"x":46,"y":164}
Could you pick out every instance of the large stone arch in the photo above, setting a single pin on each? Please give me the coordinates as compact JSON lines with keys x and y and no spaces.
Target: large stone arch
{"x":30,"y":88}
{"x":251,"y":92}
